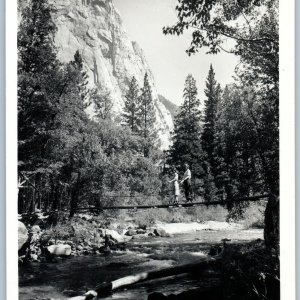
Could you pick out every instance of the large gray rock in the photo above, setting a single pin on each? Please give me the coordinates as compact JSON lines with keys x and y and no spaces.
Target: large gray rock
{"x":110,"y":58}
{"x":161,"y":232}
{"x":116,"y":237}
{"x":59,"y":250}
{"x":22,"y":234}
{"x":130,"y":232}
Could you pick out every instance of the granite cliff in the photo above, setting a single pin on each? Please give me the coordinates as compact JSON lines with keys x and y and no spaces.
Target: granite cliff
{"x":94,"y":27}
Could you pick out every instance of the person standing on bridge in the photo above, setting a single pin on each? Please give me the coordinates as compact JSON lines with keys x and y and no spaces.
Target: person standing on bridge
{"x":175,"y":185}
{"x":187,"y":183}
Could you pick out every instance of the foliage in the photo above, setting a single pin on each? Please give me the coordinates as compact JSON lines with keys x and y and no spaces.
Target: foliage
{"x":66,"y":159}
{"x":146,"y":115}
{"x":131,"y":108}
{"x":208,"y":137}
{"x":39,"y":83}
{"x":250,"y":272}
{"x":250,"y":29}
{"x":186,"y":145}
{"x":139,"y":115}
{"x":251,"y":26}
{"x":103,"y":105}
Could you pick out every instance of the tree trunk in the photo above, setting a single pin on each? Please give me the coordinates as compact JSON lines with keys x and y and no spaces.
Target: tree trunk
{"x":271,"y":230}
{"x":106,"y":288}
{"x":74,"y":201}
{"x":75,"y":196}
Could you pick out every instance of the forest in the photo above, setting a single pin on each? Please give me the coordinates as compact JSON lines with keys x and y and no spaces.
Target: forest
{"x":68,"y":159}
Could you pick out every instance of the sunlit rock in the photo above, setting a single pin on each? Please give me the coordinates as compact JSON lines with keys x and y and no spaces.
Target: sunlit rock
{"x":94,"y":27}
{"x":22,"y":234}
{"x":59,"y":250}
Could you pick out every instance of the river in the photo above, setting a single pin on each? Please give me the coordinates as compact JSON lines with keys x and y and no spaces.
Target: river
{"x":74,"y":276}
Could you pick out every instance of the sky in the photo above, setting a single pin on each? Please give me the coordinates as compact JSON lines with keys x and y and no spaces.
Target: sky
{"x":143,"y":21}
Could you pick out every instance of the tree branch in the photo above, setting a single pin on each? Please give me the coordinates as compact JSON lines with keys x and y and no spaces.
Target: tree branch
{"x":241,"y":11}
{"x":235,"y":37}
{"x":227,"y":51}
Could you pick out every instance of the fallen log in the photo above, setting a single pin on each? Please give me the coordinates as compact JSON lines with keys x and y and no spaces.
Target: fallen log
{"x":106,"y":288}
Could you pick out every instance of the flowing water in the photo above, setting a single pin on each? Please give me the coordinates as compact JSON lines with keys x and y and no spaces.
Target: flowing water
{"x":74,"y":276}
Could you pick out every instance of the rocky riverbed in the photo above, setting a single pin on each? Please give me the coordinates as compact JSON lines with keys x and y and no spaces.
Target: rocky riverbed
{"x":60,"y":257}
{"x":39,"y":240}
{"x":73,"y":275}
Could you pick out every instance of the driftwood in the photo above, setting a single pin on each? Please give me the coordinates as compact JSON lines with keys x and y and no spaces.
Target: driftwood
{"x":106,"y":288}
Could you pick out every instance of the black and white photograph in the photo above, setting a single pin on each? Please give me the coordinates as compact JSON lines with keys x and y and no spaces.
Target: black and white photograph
{"x":148,"y":149}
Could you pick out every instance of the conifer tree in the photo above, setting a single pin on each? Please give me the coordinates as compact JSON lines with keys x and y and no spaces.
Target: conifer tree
{"x":40,"y":82}
{"x":212,"y":92}
{"x":103,"y":105}
{"x":132,"y":106}
{"x":208,"y":138}
{"x":72,"y":137}
{"x":186,"y":139}
{"x":146,"y":117}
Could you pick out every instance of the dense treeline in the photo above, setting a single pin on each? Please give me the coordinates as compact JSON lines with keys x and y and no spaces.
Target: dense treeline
{"x":219,"y":142}
{"x":67,"y":159}
{"x":240,"y":139}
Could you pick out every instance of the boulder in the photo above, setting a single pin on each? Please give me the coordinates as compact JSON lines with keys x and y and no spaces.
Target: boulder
{"x":143,"y":227}
{"x":79,"y":247}
{"x":115,"y":236}
{"x":161,"y":232}
{"x":141,"y":231}
{"x":131,"y":232}
{"x":35,"y":229}
{"x":59,"y":250}
{"x":34,"y":257}
{"x":22,"y":234}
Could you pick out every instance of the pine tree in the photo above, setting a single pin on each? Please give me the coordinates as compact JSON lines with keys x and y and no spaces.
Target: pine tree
{"x":72,"y":138}
{"x":212,"y":92}
{"x":132,"y":106}
{"x":146,"y":117}
{"x":40,"y":83}
{"x":103,"y":105}
{"x":186,"y":139}
{"x":208,"y":138}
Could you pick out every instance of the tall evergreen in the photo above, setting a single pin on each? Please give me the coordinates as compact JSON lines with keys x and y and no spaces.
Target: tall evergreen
{"x":208,"y":138}
{"x":186,"y":145}
{"x":146,"y":116}
{"x":40,"y":83}
{"x":103,"y":105}
{"x":132,"y":106}
{"x":68,"y":152}
{"x":212,"y":93}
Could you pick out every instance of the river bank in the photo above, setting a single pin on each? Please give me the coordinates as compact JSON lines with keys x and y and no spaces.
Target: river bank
{"x":47,"y":238}
{"x":61,"y":257}
{"x":75,"y":275}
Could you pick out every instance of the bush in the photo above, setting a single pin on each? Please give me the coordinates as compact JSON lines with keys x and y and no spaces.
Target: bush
{"x":254,"y":215}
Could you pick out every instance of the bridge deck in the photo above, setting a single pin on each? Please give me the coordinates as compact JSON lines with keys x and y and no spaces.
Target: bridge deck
{"x":136,"y":207}
{"x":189,"y":204}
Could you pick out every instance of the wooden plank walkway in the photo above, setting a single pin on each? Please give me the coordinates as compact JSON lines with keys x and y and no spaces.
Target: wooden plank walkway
{"x":136,"y":207}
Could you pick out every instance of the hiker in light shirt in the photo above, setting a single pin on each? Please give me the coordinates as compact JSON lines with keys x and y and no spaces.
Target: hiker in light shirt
{"x":187,"y":183}
{"x":175,"y":185}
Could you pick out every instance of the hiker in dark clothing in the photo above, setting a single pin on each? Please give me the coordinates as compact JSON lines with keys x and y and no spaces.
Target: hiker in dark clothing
{"x":187,"y":183}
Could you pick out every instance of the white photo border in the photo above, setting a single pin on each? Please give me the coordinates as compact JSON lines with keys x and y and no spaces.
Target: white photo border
{"x":287,"y":150}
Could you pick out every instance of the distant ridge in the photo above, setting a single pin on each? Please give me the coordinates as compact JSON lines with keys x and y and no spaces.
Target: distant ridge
{"x":170,"y":106}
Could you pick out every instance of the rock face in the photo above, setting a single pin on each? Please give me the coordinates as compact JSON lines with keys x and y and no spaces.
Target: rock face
{"x":94,"y":27}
